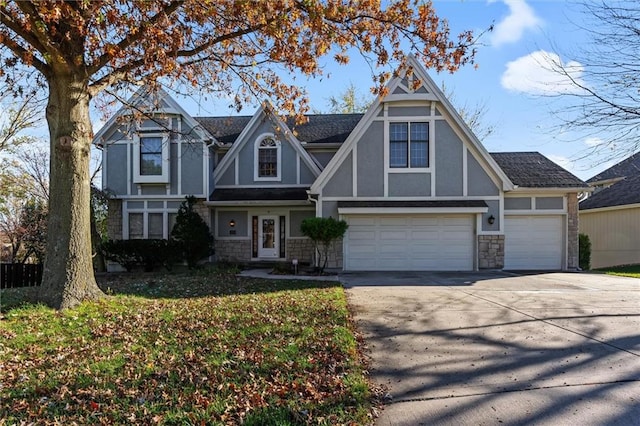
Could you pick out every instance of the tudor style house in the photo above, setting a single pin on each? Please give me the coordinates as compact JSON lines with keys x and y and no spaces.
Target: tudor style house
{"x":417,"y":188}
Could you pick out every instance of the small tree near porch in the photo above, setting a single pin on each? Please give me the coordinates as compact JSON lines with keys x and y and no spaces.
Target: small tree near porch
{"x":323,"y":232}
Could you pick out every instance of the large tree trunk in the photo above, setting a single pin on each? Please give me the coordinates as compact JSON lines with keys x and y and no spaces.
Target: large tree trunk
{"x":68,"y":277}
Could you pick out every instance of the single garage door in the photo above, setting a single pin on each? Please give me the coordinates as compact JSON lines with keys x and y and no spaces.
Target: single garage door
{"x":533,"y":242}
{"x":409,"y":243}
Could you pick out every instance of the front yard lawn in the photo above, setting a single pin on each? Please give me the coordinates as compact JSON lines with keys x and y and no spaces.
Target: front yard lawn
{"x":632,"y":271}
{"x":202,"y":348}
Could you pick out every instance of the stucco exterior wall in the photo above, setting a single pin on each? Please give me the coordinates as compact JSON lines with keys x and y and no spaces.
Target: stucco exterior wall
{"x":479,"y":182}
{"x":448,"y":161}
{"x":371,"y":162}
{"x":341,"y":183}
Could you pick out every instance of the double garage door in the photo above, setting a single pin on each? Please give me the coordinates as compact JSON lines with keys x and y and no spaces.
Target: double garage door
{"x":410,"y":243}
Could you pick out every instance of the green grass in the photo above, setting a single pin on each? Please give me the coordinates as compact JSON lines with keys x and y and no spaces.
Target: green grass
{"x":198,"y":348}
{"x":632,"y":271}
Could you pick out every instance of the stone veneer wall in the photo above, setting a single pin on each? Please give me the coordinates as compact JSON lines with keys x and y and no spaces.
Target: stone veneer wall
{"x":572,"y":231}
{"x":114,"y":219}
{"x":233,"y":250}
{"x":301,"y":249}
{"x":490,"y":251}
{"x":335,"y":255}
{"x":204,"y":212}
{"x":297,"y":248}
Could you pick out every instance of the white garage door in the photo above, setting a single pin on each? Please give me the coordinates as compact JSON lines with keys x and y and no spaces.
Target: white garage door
{"x":533,"y":242}
{"x":409,"y":243}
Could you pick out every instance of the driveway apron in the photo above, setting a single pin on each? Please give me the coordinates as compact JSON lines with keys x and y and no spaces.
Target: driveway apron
{"x":499,"y":348}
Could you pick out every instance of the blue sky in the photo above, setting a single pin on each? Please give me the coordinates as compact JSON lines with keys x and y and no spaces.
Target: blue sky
{"x":510,"y":78}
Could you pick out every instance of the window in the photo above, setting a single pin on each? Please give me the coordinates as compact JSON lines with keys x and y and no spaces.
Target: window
{"x":409,"y":145}
{"x":150,"y":225}
{"x":151,"y":158}
{"x":156,"y":225}
{"x":268,"y":158}
{"x":136,"y":226}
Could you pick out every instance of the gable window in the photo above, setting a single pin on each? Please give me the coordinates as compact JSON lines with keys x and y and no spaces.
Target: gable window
{"x":151,"y":158}
{"x":409,"y":145}
{"x":267,"y":158}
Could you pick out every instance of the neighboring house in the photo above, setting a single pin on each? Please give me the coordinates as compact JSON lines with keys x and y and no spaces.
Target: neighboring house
{"x":611,"y":215}
{"x":417,"y":188}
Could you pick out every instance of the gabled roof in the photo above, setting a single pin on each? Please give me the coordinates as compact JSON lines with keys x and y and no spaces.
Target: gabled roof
{"x":433,"y":93}
{"x":534,"y":170}
{"x":141,"y":99}
{"x":627,"y":191}
{"x":627,"y":167}
{"x":264,"y":112}
{"x":320,"y":128}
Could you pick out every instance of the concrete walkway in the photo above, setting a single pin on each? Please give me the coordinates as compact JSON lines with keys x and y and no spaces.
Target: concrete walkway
{"x":266,"y":274}
{"x":499,"y":348}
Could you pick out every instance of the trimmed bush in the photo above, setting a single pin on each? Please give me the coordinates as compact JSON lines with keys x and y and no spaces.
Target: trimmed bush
{"x":146,"y":253}
{"x":584,"y":252}
{"x":192,"y":233}
{"x":323,"y":231}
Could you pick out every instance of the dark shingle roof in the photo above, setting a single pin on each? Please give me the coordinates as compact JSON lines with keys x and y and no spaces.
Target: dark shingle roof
{"x":259,"y":194}
{"x":627,"y":167}
{"x":627,"y":191}
{"x":321,"y":128}
{"x":534,"y":170}
{"x":224,"y":129}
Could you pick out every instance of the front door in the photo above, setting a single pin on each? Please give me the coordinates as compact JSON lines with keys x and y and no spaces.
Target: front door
{"x":268,"y":236}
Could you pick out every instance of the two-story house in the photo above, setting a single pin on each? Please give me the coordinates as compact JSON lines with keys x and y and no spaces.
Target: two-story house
{"x":417,"y":188}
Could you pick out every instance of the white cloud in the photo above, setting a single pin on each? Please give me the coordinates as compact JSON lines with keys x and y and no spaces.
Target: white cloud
{"x":521,"y":17}
{"x":540,"y":73}
{"x":561,"y":161}
{"x":592,"y":141}
{"x":571,"y":166}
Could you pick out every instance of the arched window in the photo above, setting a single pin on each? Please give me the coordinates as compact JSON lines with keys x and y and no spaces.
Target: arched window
{"x":268,"y":158}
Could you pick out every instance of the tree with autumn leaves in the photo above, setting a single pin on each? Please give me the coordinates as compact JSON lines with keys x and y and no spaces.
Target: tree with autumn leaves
{"x":82,"y":48}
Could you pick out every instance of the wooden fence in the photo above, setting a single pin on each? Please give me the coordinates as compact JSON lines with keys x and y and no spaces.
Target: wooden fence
{"x":13,"y":275}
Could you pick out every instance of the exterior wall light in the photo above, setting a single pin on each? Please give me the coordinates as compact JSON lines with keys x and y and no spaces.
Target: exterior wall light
{"x":491,"y":220}
{"x":232,"y":223}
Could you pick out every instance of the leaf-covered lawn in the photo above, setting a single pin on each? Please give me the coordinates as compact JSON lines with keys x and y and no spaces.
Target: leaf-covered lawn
{"x":632,"y":271}
{"x":186,"y":349}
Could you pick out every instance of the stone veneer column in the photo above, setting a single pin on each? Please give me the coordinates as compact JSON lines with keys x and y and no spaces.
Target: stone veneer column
{"x":204,"y":211}
{"x":114,"y":219}
{"x":572,"y":231}
{"x":490,"y":251}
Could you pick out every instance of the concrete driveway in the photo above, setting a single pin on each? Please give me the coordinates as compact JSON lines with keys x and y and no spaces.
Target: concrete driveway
{"x":499,"y":348}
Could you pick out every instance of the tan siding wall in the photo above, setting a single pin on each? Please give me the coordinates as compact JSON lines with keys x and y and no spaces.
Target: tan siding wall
{"x":614,"y":235}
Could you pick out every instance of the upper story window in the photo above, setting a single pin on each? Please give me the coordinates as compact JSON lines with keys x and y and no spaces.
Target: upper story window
{"x":268,"y":158}
{"x":151,"y":158}
{"x":409,"y":145}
